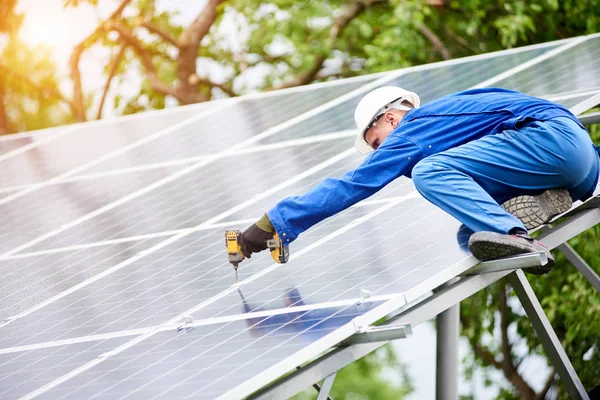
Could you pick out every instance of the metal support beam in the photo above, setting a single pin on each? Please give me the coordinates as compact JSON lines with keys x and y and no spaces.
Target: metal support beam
{"x":507,"y":264}
{"x":590,"y":119}
{"x":446,"y":376}
{"x":547,"y":336}
{"x":581,"y":265}
{"x":380,"y":334}
{"x":326,"y":388}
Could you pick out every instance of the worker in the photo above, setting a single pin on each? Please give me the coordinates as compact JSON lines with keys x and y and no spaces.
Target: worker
{"x":499,"y":161}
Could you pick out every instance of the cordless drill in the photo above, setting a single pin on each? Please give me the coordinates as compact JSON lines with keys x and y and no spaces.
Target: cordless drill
{"x":233,"y":243}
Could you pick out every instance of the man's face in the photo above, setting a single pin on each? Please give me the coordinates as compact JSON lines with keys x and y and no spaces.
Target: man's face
{"x":383,"y":127}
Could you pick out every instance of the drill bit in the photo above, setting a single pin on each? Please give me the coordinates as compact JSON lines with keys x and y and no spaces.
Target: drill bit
{"x":235,"y":267}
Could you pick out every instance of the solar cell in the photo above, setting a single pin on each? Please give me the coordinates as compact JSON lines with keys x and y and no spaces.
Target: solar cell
{"x":53,"y":206}
{"x":24,"y":370}
{"x":78,"y":144}
{"x":577,"y":68}
{"x":147,"y":291}
{"x":430,"y":82}
{"x":206,"y":361}
{"x":28,"y":281}
{"x":228,"y":126}
{"x":199,"y":195}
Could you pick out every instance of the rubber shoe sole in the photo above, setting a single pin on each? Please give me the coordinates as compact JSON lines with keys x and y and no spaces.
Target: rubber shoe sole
{"x":487,"y":246}
{"x":538,"y":210}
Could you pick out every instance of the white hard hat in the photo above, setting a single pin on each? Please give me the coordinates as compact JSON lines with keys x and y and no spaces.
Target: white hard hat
{"x":373,"y":105}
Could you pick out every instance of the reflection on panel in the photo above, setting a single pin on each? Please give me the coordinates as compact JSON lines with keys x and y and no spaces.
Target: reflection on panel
{"x":25,"y":371}
{"x":151,"y":290}
{"x":229,"y":126}
{"x":202,"y":194}
{"x":84,"y":144}
{"x":206,"y":361}
{"x":429,"y":84}
{"x":390,"y":253}
{"x":31,"y":280}
{"x":577,"y":68}
{"x":49,"y":207}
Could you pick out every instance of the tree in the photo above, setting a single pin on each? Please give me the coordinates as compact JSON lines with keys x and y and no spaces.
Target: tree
{"x":236,"y":46}
{"x":232,"y":47}
{"x":29,"y":94}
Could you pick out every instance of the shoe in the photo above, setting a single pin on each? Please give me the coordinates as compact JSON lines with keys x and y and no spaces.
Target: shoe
{"x":538,"y":210}
{"x":487,"y":246}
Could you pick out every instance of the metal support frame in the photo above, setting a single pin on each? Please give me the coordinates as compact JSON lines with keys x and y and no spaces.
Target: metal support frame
{"x":446,"y":373}
{"x":579,"y":263}
{"x":547,"y":336}
{"x":507,"y":264}
{"x":379,"y":334}
{"x":469,"y":283}
{"x":590,"y":119}
{"x":326,"y":388}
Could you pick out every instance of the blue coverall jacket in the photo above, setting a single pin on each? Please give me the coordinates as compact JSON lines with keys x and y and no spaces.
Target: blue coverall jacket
{"x":442,"y":124}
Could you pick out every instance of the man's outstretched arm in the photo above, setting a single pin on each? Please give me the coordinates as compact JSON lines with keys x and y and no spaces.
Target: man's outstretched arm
{"x":293,"y":215}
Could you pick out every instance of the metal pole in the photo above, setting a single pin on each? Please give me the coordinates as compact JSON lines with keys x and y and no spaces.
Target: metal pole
{"x":326,"y":388}
{"x":547,"y":336}
{"x":579,"y":263}
{"x":446,"y":379}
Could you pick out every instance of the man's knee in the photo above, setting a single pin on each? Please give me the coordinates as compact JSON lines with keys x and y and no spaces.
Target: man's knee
{"x":424,"y":173}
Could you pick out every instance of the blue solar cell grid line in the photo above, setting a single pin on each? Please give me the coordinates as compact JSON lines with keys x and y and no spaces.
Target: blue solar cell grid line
{"x":116,"y":282}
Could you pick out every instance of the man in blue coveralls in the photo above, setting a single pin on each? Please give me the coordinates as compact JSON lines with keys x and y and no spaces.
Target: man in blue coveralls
{"x":499,"y":161}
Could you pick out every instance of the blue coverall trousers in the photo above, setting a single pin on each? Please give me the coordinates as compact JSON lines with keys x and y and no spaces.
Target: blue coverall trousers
{"x":471,"y":181}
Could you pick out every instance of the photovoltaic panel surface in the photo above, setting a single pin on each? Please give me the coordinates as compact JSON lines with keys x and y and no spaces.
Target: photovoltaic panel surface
{"x":76,"y":145}
{"x":228,"y":126}
{"x":22,"y":371}
{"x":53,"y":206}
{"x":200,"y":194}
{"x":119,"y":271}
{"x":30,"y":280}
{"x":577,"y":68}
{"x":206,"y":361}
{"x":431,"y":82}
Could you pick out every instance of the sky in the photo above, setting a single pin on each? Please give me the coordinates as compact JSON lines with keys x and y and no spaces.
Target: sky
{"x":48,"y":23}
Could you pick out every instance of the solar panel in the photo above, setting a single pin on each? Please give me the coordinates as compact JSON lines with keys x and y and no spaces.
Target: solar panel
{"x":116,"y":283}
{"x":561,"y":74}
{"x":66,"y":151}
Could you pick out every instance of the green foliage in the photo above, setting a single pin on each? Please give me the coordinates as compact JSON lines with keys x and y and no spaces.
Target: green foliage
{"x":364,"y":379}
{"x":27,"y":80}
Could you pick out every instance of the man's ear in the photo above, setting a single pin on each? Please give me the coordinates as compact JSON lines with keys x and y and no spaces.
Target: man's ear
{"x":390,"y":118}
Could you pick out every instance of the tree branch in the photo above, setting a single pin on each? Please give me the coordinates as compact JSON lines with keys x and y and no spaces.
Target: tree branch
{"x":194,"y":34}
{"x":352,"y":11}
{"x":5,"y":127}
{"x":75,"y":74}
{"x":146,"y":59}
{"x":44,"y":91}
{"x":435,"y":41}
{"x":459,"y":40}
{"x":224,"y":88}
{"x":549,"y":382}
{"x":113,"y":70}
{"x":166,"y":36}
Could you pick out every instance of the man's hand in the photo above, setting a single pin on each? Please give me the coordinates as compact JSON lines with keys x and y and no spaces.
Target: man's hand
{"x":254,"y":239}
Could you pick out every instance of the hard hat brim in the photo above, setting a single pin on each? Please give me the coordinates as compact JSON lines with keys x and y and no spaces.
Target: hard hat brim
{"x":361,"y":144}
